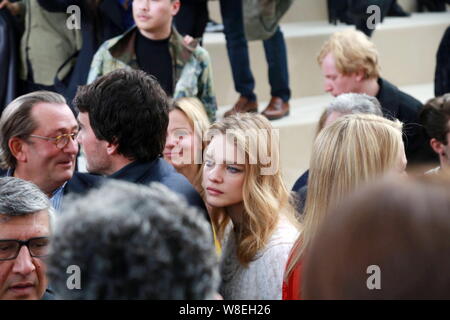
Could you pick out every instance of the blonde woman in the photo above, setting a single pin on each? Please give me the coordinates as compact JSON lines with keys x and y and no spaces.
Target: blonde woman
{"x":253,"y":217}
{"x":188,"y":123}
{"x":352,"y":151}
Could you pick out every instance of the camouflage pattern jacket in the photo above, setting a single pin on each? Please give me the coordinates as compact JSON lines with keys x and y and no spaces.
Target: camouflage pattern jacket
{"x":191,"y":66}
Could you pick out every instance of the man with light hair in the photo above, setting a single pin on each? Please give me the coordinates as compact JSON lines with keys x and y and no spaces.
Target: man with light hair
{"x":138,"y":242}
{"x":350,"y":63}
{"x":38,"y":143}
{"x":25,"y":227}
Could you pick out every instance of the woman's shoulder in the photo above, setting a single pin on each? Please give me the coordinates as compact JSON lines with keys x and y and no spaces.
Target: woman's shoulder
{"x":280,"y":243}
{"x":285,"y":233}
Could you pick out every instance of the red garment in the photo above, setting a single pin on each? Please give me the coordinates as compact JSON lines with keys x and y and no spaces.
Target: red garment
{"x":292,"y":285}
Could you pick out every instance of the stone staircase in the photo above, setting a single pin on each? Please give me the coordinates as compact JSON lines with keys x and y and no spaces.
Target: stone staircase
{"x":407,"y":48}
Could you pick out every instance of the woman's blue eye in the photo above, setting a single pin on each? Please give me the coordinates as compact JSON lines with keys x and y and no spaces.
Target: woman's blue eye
{"x":208,"y":163}
{"x":233,"y":169}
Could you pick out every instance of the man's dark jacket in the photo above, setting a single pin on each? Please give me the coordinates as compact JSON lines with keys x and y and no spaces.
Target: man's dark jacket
{"x":81,"y":183}
{"x":399,"y":105}
{"x":161,"y":171}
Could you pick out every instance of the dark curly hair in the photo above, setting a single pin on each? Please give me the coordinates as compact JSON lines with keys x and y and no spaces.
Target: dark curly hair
{"x":133,"y":242}
{"x":435,"y":116}
{"x":130,"y":108}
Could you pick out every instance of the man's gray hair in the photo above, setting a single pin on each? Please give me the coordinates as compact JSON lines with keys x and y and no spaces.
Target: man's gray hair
{"x":16,"y":121}
{"x":133,"y":242}
{"x":19,"y":198}
{"x":351,"y":103}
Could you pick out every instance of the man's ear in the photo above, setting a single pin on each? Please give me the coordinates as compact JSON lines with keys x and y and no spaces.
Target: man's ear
{"x":437,"y":146}
{"x":175,"y":7}
{"x":112,"y":148}
{"x":360,"y":75}
{"x":18,"y":147}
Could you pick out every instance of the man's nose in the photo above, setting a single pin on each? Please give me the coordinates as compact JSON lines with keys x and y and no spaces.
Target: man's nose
{"x":71,"y":146}
{"x":23,"y":264}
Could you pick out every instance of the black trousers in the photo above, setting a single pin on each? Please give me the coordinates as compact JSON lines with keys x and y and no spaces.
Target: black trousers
{"x":192,"y":18}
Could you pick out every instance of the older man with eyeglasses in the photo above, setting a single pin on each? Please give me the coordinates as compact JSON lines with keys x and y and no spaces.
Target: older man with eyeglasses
{"x":38,"y":143}
{"x":25,"y":227}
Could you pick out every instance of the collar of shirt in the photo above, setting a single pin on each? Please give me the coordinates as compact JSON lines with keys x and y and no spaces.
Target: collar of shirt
{"x":57,"y":195}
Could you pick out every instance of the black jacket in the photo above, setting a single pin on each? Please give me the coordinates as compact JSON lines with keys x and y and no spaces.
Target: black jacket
{"x":399,"y":105}
{"x":9,"y":42}
{"x":161,"y":171}
{"x":81,"y":183}
{"x":95,"y":30}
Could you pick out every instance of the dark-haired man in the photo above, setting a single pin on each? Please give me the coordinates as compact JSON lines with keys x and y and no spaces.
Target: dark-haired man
{"x":123,"y":118}
{"x":435,"y":117}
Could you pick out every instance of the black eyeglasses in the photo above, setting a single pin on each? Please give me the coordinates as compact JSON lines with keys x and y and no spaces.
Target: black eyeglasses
{"x":59,"y":141}
{"x":10,"y":248}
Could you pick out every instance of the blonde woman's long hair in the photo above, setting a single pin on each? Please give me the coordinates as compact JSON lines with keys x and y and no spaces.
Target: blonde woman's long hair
{"x":198,"y":120}
{"x":265,"y":196}
{"x":353,"y":150}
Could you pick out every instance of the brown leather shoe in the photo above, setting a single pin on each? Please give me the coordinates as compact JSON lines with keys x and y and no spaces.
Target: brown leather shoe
{"x":242,"y":105}
{"x":276,"y":109}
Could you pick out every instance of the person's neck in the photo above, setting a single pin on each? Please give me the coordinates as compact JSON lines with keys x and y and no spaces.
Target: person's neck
{"x":44,"y":185}
{"x":370,"y":87}
{"x":236,"y":213}
{"x":161,"y":34}
{"x":190,"y":172}
{"x":117,"y":163}
{"x":444,"y":163}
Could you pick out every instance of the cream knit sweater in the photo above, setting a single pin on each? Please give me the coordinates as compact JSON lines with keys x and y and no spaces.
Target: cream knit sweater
{"x":263,"y":277}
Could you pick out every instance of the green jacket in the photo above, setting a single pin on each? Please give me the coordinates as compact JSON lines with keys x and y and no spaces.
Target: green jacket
{"x":192,"y":74}
{"x":261,"y":17}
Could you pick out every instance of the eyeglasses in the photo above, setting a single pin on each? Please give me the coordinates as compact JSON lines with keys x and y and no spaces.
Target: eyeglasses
{"x":38,"y":247}
{"x":59,"y":141}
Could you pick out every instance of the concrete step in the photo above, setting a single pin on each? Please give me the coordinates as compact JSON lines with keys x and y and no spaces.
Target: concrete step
{"x":407,"y":48}
{"x":297,"y":131}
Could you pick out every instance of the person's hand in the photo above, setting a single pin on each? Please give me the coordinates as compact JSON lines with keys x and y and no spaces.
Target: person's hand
{"x":13,"y":7}
{"x":188,"y":40}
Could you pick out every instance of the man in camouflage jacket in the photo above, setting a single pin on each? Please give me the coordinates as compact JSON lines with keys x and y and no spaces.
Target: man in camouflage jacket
{"x":192,"y":74}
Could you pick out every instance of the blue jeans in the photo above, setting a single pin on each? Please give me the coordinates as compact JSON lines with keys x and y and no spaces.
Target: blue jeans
{"x":274,"y":49}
